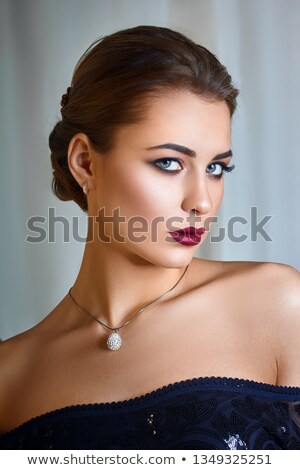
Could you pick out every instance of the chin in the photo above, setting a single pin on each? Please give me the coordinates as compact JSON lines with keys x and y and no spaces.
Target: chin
{"x":167,"y":257}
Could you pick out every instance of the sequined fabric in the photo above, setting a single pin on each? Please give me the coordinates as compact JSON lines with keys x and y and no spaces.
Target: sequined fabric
{"x":201,"y":413}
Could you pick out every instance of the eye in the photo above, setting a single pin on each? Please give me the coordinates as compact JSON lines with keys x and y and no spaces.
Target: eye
{"x":215,"y":166}
{"x":217,"y":169}
{"x":164,"y":164}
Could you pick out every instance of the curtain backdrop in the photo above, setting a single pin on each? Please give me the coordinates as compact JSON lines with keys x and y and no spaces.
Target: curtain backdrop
{"x":40,"y":43}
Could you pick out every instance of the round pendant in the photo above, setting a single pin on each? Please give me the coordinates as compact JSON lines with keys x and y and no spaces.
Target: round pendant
{"x":114,"y":341}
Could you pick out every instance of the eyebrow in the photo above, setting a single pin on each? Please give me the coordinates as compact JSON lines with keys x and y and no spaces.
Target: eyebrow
{"x":187,"y":151}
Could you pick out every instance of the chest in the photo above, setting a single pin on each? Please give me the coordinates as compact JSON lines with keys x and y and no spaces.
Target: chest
{"x":194,"y":336}
{"x":167,"y":346}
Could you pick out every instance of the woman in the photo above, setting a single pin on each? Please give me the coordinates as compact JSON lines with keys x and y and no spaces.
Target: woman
{"x":153,"y":348}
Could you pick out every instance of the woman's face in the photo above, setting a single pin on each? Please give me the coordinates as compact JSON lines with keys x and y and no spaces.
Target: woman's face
{"x":156,"y":188}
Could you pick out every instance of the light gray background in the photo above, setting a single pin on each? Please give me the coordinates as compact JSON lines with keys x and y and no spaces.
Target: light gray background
{"x":41,"y":41}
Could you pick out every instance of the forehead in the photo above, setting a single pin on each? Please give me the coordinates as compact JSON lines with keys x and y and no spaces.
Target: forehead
{"x":184,"y":118}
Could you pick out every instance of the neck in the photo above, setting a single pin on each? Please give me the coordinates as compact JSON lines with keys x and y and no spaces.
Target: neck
{"x":113,"y":287}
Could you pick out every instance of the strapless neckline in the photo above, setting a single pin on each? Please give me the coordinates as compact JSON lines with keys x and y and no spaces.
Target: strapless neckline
{"x":232,"y":384}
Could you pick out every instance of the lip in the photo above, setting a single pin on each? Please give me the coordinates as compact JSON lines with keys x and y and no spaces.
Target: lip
{"x":188,"y":236}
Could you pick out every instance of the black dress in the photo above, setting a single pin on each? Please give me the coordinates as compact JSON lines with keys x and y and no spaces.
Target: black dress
{"x":200,"y":413}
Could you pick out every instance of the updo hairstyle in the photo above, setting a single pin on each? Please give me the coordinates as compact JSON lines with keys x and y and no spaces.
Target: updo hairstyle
{"x":113,"y":82}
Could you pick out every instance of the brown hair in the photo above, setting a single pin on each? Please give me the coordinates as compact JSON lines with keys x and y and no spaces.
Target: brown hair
{"x":112,"y":81}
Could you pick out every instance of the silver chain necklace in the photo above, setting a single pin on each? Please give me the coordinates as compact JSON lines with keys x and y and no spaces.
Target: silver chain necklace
{"x":114,"y":341}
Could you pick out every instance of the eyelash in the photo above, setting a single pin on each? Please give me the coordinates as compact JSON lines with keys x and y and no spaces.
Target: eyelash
{"x":225,"y":168}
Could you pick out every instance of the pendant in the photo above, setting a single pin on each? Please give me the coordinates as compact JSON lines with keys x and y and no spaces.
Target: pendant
{"x":114,"y":341}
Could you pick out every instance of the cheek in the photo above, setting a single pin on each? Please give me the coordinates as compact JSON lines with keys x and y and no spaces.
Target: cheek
{"x":139,"y":193}
{"x":216,"y":190}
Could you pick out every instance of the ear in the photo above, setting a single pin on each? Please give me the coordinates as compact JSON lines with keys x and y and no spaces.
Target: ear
{"x":80,"y":159}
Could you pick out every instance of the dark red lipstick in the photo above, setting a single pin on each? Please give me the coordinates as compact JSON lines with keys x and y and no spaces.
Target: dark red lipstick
{"x":188,"y":236}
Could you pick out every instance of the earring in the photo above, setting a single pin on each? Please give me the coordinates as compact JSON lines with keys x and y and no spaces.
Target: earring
{"x":85,"y":188}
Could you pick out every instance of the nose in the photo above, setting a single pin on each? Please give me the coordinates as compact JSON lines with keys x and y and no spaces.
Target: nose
{"x":197,"y":197}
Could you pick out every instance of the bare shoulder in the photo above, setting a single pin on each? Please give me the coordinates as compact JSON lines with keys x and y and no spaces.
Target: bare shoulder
{"x":279,"y":287}
{"x":274,"y":287}
{"x":16,"y":357}
{"x":273,"y":290}
{"x":282,"y":283}
{"x":264,"y":296}
{"x":277,"y":277}
{"x":235,"y":272}
{"x":15,"y":352}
